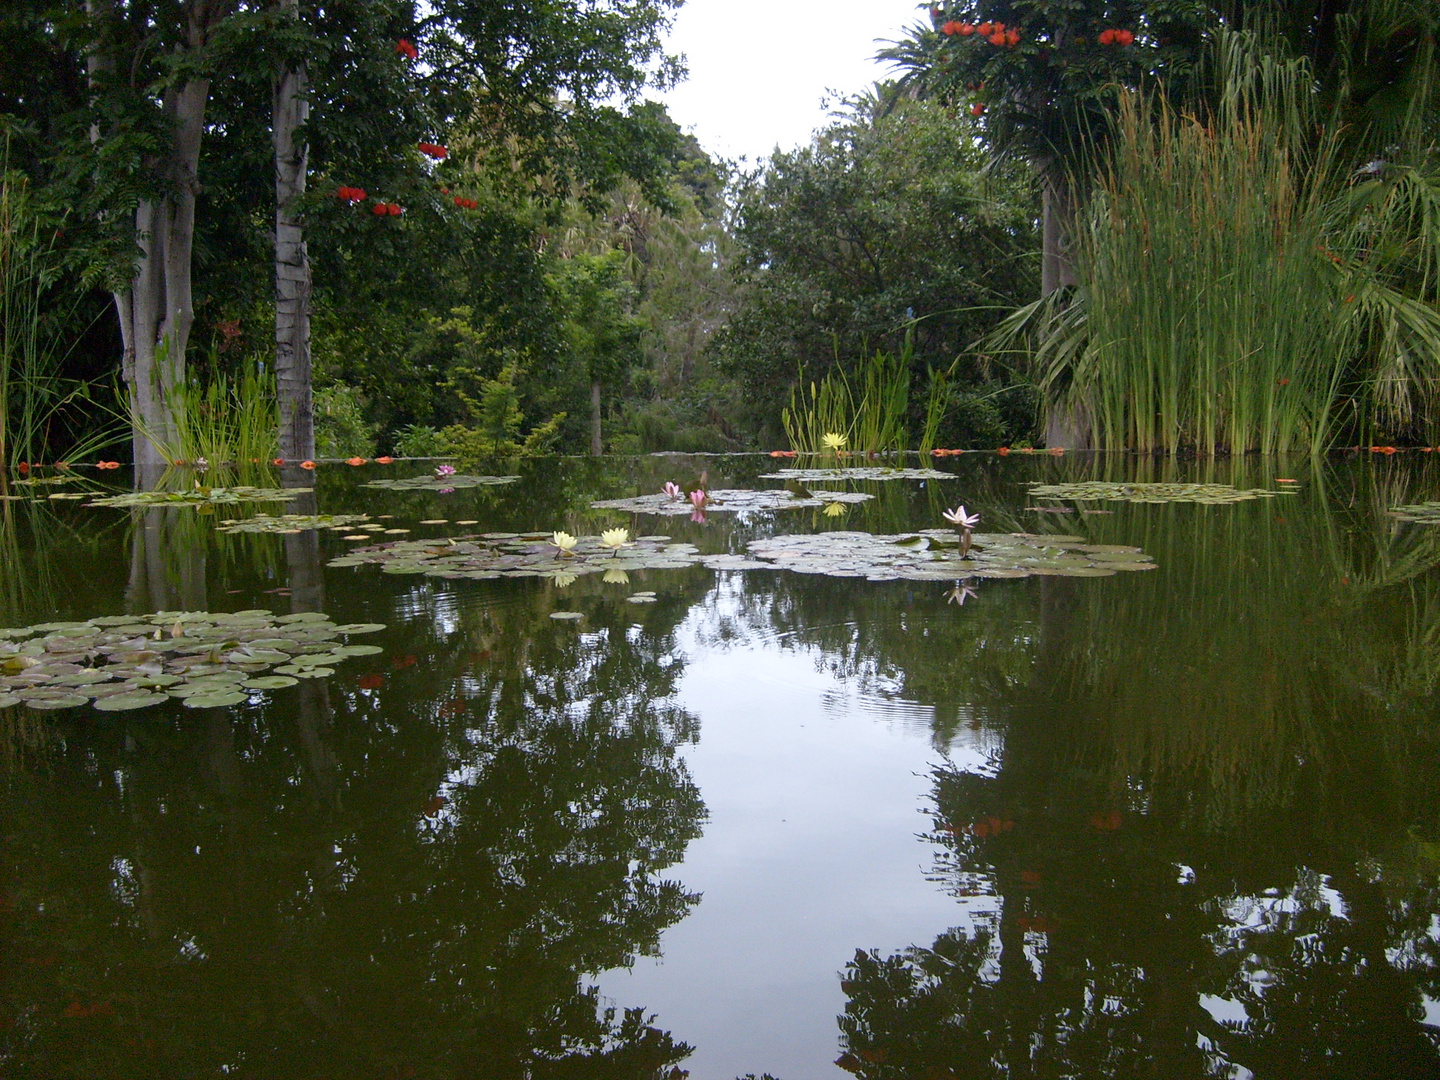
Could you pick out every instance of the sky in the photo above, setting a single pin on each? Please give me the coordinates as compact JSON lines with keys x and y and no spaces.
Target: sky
{"x":759,"y":69}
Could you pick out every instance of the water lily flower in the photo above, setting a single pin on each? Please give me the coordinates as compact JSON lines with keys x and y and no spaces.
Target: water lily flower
{"x":616,"y":577}
{"x":960,"y":519}
{"x":834,"y":509}
{"x":672,"y":489}
{"x":564,"y":579}
{"x":201,"y":463}
{"x":698,"y":499}
{"x":307,"y":465}
{"x":442,"y":471}
{"x":698,"y":517}
{"x":832,"y":441}
{"x":383,"y":460}
{"x":355,"y":461}
{"x":615,"y":538}
{"x":564,"y":541}
{"x":960,"y":593}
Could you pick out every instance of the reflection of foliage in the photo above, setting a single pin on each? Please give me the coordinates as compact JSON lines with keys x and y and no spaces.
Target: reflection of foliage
{"x":414,"y":879}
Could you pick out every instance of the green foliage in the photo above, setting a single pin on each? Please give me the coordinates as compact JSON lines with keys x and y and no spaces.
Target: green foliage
{"x":497,"y":420}
{"x":872,"y":424}
{"x":341,"y":430}
{"x":419,"y":440}
{"x":884,"y":225}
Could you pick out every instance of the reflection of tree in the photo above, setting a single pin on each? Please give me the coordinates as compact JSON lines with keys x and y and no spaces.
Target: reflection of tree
{"x":495,"y":825}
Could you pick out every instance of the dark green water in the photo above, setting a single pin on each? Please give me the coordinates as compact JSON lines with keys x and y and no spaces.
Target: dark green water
{"x":1181,"y":823}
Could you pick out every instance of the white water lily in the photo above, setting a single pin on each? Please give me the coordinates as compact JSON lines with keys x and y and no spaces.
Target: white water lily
{"x":962,"y":592}
{"x":960,"y":519}
{"x":616,"y":577}
{"x":615,"y":538}
{"x":564,"y":579}
{"x":564,"y":541}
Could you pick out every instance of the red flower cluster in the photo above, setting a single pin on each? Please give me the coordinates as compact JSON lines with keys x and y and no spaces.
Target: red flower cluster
{"x":1116,"y":37}
{"x":351,"y":195}
{"x":996,"y":33}
{"x":382,"y":208}
{"x":950,"y":29}
{"x":977,"y":109}
{"x":430,"y":149}
{"x":938,"y":452}
{"x":464,"y":203}
{"x":407,"y":50}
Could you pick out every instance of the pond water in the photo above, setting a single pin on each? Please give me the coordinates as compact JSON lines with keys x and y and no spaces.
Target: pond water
{"x":1175,"y":823}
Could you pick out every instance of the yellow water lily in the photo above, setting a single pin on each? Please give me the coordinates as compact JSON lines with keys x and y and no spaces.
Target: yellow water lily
{"x":614,"y":538}
{"x":564,"y":579}
{"x":832,"y":441}
{"x":616,"y":577}
{"x":834,"y":509}
{"x":564,"y":541}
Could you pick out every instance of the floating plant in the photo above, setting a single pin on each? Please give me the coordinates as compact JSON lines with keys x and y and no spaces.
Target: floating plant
{"x":558,"y":555}
{"x":731,"y":501}
{"x":935,"y":555}
{"x":1420,"y":513}
{"x":123,"y":662}
{"x":860,"y":473}
{"x":201,"y":496}
{"x":291,"y":523}
{"x":448,"y":483}
{"x":1210,"y":494}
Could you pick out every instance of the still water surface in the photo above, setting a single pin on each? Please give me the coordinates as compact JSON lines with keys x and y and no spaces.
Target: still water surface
{"x":1180,"y":823}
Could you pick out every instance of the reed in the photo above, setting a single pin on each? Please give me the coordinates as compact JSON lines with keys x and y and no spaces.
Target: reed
{"x":874,"y":423}
{"x":222,"y":421}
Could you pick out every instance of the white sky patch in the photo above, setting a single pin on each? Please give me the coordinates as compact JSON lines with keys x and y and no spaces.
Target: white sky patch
{"x":759,"y":69}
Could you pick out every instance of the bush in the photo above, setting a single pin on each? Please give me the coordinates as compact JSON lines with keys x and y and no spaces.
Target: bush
{"x":341,"y":430}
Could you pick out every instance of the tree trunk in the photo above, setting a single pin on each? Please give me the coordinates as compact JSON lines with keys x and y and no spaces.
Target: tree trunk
{"x":292,"y":263}
{"x":1067,"y":424}
{"x":595,"y":447}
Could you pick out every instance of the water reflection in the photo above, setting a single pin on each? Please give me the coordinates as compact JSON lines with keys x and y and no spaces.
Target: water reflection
{"x":407,"y":880}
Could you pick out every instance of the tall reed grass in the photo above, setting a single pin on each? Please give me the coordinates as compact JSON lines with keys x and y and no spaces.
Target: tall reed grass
{"x":874,"y":421}
{"x":222,"y":421}
{"x":1243,"y":289}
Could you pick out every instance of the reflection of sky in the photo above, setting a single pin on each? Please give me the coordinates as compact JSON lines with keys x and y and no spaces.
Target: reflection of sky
{"x":815,"y":798}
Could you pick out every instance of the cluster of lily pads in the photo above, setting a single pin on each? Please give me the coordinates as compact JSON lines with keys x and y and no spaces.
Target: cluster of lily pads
{"x":729,"y":500}
{"x":941,"y":555}
{"x":292,"y":523}
{"x":1427,"y":513}
{"x":499,"y":554}
{"x":201,"y":496}
{"x":860,"y":473}
{"x":441,"y":483}
{"x":1097,"y":490}
{"x":205,"y":660}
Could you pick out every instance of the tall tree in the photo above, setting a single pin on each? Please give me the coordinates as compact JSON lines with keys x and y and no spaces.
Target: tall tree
{"x":292,"y":259}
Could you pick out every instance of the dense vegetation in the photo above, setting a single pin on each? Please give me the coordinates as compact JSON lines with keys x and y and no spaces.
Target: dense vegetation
{"x":479,"y":251}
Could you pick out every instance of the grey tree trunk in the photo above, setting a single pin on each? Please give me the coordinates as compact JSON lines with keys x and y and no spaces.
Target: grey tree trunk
{"x":1067,"y":424}
{"x":292,"y":263}
{"x":595,"y":445}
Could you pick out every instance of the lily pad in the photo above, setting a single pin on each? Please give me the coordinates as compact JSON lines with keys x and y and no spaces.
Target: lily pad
{"x":59,"y":701}
{"x":860,"y":473}
{"x":934,"y":555}
{"x":270,"y":682}
{"x":361,"y":628}
{"x":201,"y":496}
{"x":732,"y":501}
{"x":290,"y":523}
{"x":222,"y":699}
{"x":125,"y":702}
{"x":1095,"y":490}
{"x":7,"y":700}
{"x":567,"y":616}
{"x":442,"y":484}
{"x":511,"y":555}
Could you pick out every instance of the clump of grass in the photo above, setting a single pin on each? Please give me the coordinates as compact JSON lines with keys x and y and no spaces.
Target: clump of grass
{"x":222,"y":421}
{"x":873,"y":423}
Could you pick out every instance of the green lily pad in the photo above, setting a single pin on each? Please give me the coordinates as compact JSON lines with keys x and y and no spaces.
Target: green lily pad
{"x":732,"y":501}
{"x":290,"y":523}
{"x":361,"y":628}
{"x":1095,"y":490}
{"x":7,"y":700}
{"x":126,"y":702}
{"x":222,"y":699}
{"x":312,"y":673}
{"x":865,"y":472}
{"x":201,"y":496}
{"x":358,"y":650}
{"x":270,"y":682}
{"x":567,"y":616}
{"x":66,"y":701}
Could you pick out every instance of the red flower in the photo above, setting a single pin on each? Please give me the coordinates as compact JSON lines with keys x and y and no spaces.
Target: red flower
{"x":1012,"y":38}
{"x":984,"y":29}
{"x":966,"y":29}
{"x":950,"y":28}
{"x":371,"y":682}
{"x":307,"y":465}
{"x":355,"y":461}
{"x":393,"y":209}
{"x":444,"y":191}
{"x":278,"y":461}
{"x":1124,"y":37}
{"x":379,"y":209}
{"x":977,"y":108}
{"x":997,"y":38}
{"x":433,"y":150}
{"x":383,"y":460}
{"x":1107,"y":37}
{"x":24,"y":466}
{"x":405,"y":49}
{"x":1003,"y":451}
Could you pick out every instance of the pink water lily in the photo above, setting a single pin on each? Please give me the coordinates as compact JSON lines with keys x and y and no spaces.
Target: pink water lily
{"x":442,"y":471}
{"x":960,"y":519}
{"x":698,"y":498}
{"x":672,"y":489}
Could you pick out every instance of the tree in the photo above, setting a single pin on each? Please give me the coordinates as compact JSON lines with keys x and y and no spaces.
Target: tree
{"x":883,"y":225}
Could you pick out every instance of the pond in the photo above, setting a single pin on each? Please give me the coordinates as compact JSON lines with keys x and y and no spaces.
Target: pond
{"x":1152,"y":789}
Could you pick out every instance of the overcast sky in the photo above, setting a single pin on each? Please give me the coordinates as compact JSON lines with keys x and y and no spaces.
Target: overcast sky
{"x":759,"y":68}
